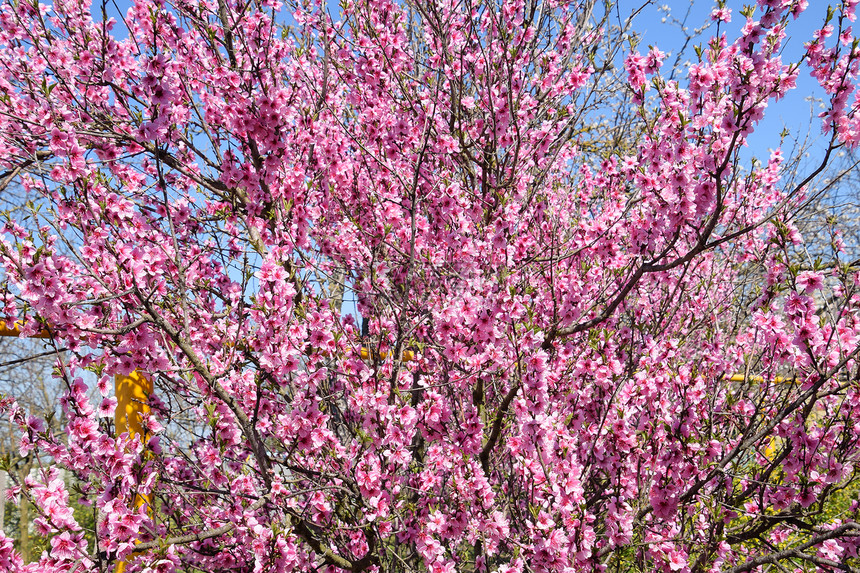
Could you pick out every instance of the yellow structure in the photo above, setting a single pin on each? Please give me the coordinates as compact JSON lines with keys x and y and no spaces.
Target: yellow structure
{"x":15,"y":330}
{"x":132,"y":403}
{"x":132,"y":407}
{"x":770,"y":450}
{"x":408,"y":355}
{"x":742,"y":378}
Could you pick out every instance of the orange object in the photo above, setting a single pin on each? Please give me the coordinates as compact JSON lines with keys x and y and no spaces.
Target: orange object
{"x":742,"y":378}
{"x":132,"y":397}
{"x":132,"y":406}
{"x":408,"y":355}
{"x":15,"y":330}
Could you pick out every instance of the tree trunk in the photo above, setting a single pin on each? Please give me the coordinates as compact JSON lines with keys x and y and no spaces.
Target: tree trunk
{"x":24,"y":528}
{"x":337,"y":286}
{"x":2,"y":499}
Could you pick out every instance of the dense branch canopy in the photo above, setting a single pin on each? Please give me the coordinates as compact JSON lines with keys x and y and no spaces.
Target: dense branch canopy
{"x":410,"y":302}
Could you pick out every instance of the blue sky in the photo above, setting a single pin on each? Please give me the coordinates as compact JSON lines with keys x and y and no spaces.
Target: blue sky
{"x":660,"y":24}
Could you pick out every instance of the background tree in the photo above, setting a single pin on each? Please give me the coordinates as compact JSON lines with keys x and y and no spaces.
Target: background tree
{"x":593,"y":381}
{"x":31,"y":379}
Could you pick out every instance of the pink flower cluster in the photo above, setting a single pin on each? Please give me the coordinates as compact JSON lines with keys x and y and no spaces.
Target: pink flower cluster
{"x":408,"y":307}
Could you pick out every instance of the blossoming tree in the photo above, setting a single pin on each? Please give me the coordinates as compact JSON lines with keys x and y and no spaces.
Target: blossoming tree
{"x":570,"y":350}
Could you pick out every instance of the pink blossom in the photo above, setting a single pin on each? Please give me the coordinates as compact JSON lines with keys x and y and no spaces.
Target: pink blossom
{"x":810,"y":281}
{"x":428,"y":286}
{"x":722,"y":14}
